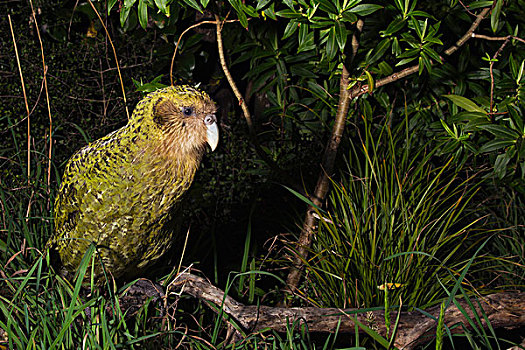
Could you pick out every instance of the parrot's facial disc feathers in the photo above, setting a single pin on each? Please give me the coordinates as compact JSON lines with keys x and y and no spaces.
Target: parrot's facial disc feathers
{"x":186,"y":115}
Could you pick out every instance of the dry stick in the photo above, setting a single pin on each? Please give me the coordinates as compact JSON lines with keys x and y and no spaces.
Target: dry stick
{"x":177,"y":45}
{"x":506,"y":309}
{"x":50,"y":148}
{"x":327,"y":168}
{"x":180,"y":37}
{"x":236,"y":91}
{"x":116,"y":58}
{"x":25,"y":101}
{"x":251,"y":128}
{"x":497,"y":38}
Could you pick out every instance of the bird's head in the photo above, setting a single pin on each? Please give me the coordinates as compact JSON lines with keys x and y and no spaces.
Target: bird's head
{"x":182,"y":116}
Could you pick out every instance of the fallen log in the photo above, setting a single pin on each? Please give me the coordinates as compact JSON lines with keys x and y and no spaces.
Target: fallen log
{"x":503,"y":310}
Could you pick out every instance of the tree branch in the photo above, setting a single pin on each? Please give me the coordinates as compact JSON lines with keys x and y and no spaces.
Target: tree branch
{"x":323,"y":183}
{"x":414,"y":328}
{"x":497,"y":38}
{"x":360,"y":90}
{"x":327,"y":168}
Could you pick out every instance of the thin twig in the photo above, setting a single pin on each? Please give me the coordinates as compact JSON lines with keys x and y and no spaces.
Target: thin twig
{"x":177,"y":45}
{"x":45,"y":68}
{"x":180,"y":37}
{"x":25,"y":101}
{"x":116,"y":58}
{"x":360,"y":90}
{"x":494,"y":58}
{"x":229,"y":77}
{"x":497,"y":38}
{"x":466,"y":8}
{"x":251,"y":128}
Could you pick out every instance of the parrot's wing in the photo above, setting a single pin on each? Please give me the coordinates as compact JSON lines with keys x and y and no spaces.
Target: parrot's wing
{"x":79,"y":176}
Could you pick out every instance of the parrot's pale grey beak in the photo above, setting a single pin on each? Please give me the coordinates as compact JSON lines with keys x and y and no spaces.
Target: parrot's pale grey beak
{"x":212,"y":132}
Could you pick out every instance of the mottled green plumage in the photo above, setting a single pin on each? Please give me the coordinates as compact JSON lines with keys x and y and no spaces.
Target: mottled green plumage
{"x":119,"y":191}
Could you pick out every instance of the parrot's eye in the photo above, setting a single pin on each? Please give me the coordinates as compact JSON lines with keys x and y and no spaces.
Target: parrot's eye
{"x":187,"y":111}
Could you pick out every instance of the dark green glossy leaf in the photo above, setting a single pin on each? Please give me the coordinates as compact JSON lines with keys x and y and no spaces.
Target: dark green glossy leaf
{"x":433,"y":54}
{"x":494,"y":17}
{"x":394,"y":26}
{"x":291,"y":28}
{"x":517,"y":119}
{"x":340,"y":35}
{"x":261,"y":4}
{"x":289,"y":3}
{"x":500,"y":131}
{"x":421,"y":14}
{"x":308,"y":43}
{"x":500,"y":166}
{"x":124,"y":13}
{"x":384,"y":68}
{"x":303,"y":70}
{"x":480,"y":4}
{"x":409,"y":53}
{"x":303,"y":32}
{"x":405,"y":61}
{"x":416,"y":26}
{"x":469,"y":117}
{"x":320,"y":23}
{"x":421,"y":65}
{"x":111,"y":3}
{"x":426,"y":62}
{"x":161,"y":4}
{"x":379,"y":51}
{"x":270,"y":12}
{"x":250,"y":11}
{"x":370,"y":81}
{"x":396,"y":49}
{"x":433,"y":40}
{"x":349,"y":17}
{"x":331,"y":45}
{"x":306,"y":39}
{"x":288,"y":14}
{"x":242,"y":19}
{"x":143,"y":14}
{"x":495,"y":145}
{"x":465,"y":103}
{"x":193,"y":4}
{"x":327,"y":6}
{"x":365,"y":9}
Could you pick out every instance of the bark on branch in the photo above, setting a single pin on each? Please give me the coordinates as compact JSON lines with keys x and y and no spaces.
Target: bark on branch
{"x":502,"y":310}
{"x":327,"y":168}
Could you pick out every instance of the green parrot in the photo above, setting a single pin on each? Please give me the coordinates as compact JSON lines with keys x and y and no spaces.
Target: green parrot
{"x":119,"y":191}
